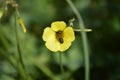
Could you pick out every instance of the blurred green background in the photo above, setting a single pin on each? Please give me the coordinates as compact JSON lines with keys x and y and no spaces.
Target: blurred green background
{"x":102,"y":16}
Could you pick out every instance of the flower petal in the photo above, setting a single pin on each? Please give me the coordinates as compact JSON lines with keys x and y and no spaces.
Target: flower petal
{"x":48,"y":34}
{"x":53,"y":45}
{"x":65,"y":46}
{"x":68,"y":34}
{"x":58,"y":26}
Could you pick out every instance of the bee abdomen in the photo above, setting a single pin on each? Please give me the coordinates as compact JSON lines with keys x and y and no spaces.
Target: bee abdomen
{"x":61,"y":40}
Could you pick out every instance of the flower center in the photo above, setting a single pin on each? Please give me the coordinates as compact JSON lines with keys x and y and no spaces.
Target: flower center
{"x":59,"y":36}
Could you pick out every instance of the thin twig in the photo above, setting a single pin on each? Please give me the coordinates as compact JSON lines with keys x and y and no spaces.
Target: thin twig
{"x":84,"y":39}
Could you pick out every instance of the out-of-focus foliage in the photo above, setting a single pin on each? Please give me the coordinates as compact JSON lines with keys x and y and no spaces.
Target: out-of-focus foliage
{"x":102,"y":16}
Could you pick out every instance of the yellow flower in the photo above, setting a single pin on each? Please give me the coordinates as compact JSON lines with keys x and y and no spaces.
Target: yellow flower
{"x":58,"y":37}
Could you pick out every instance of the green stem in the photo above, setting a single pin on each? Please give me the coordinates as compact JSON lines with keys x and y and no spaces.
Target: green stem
{"x":84,"y":39}
{"x":18,"y":45}
{"x":21,"y":64}
{"x":61,"y":65}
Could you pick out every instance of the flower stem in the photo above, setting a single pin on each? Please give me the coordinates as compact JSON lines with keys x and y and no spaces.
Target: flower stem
{"x":61,"y":65}
{"x":21,"y":66}
{"x":84,"y":39}
{"x":18,"y":45}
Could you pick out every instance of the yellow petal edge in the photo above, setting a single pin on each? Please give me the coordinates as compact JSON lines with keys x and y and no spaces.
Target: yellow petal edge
{"x":58,"y":26}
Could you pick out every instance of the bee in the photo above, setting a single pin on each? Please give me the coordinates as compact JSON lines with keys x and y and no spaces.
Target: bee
{"x":59,"y":36}
{"x":61,"y":40}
